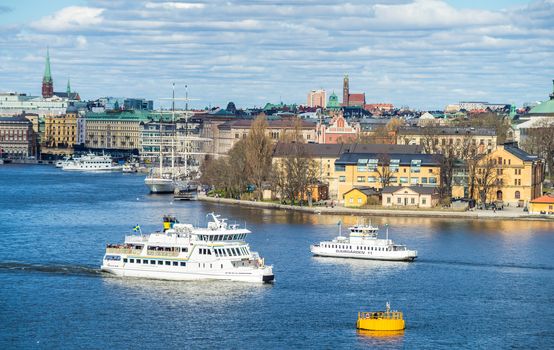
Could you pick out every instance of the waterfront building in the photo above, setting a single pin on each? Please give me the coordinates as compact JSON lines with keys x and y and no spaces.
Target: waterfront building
{"x":508,"y":173}
{"x":338,"y":131}
{"x":378,"y":170}
{"x":317,"y":98}
{"x":443,"y":139}
{"x":233,"y":131}
{"x":542,"y":205}
{"x":325,"y":155}
{"x":118,"y":130}
{"x":60,"y":133}
{"x":17,"y":138}
{"x":410,"y":196}
{"x":12,"y":103}
{"x":359,"y":196}
{"x":140,"y":104}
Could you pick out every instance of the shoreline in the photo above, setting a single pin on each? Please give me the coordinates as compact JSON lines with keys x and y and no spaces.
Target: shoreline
{"x":480,"y":215}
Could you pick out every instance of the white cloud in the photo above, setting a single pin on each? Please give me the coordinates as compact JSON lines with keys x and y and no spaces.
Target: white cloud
{"x":174,"y":5}
{"x":70,"y":18}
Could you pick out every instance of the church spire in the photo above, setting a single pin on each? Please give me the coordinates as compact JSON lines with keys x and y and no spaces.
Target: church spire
{"x":68,"y":87}
{"x":47,"y":74}
{"x":47,"y":82}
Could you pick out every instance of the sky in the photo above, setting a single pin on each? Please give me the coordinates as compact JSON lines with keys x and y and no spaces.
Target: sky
{"x":419,"y":53}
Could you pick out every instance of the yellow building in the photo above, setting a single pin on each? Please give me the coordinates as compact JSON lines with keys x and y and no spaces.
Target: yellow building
{"x":542,"y":205}
{"x":325,"y":155}
{"x":60,"y":133}
{"x":515,"y":176}
{"x":414,"y":196}
{"x":378,"y":170}
{"x":358,"y":197}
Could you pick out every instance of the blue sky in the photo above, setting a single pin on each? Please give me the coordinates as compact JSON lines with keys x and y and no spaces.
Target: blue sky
{"x":420,"y":53}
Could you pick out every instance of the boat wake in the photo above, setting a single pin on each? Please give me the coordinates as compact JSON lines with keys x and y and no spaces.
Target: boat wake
{"x":478,"y":264}
{"x":76,"y":270}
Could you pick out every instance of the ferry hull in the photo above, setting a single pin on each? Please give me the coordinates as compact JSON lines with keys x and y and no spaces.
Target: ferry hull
{"x":408,"y":255}
{"x":264,"y":275}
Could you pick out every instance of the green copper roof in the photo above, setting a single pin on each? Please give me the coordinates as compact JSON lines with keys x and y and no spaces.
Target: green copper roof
{"x":546,"y":107}
{"x":139,"y":116}
{"x":47,"y":74}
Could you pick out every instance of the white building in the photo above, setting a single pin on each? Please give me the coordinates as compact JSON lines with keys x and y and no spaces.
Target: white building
{"x":12,"y":103}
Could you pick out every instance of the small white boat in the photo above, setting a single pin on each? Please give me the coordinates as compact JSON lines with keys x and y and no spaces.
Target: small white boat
{"x":363,"y":243}
{"x":92,"y":162}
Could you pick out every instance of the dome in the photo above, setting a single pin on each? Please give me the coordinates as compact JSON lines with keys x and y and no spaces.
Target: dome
{"x":71,"y":109}
{"x":546,"y":107}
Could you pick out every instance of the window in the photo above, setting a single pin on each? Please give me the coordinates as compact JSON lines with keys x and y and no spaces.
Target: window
{"x":138,"y":261}
{"x":160,"y":262}
{"x":388,"y":200}
{"x":432,"y":180}
{"x":359,"y":201}
{"x":423,"y":180}
{"x":184,"y":250}
{"x":145,"y":261}
{"x":412,"y":200}
{"x":372,"y":164}
{"x":152,"y":262}
{"x":340,"y":167}
{"x":423,"y":200}
{"x":414,"y":181}
{"x":132,"y":261}
{"x":168,"y":262}
{"x":415,"y":166}
{"x":175,"y":263}
{"x":403,"y":180}
{"x":393,"y":179}
{"x":183,"y":263}
{"x":394,"y":165}
{"x":517,"y":194}
{"x":125,"y":260}
{"x":371,"y":179}
{"x":399,"y":200}
{"x":351,"y":200}
{"x":362,"y":164}
{"x":361,"y":179}
{"x":342,"y":178}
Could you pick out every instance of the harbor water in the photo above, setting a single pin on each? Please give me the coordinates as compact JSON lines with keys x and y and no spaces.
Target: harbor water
{"x":475,"y":284}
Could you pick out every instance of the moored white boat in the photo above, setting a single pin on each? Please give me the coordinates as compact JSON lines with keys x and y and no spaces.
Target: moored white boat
{"x":185,"y":252}
{"x":158,"y":184}
{"x":91,"y":162}
{"x":363,"y":243}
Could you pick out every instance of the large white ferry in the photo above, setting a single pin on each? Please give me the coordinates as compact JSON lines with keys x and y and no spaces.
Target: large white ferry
{"x":184,"y":252}
{"x":363,"y":243}
{"x":91,"y":162}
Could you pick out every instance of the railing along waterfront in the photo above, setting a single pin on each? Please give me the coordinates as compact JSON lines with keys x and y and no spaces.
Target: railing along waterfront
{"x":123,"y":250}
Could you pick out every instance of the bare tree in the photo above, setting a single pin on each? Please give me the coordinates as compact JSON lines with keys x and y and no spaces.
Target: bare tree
{"x":258,"y":149}
{"x":488,"y":176}
{"x":539,"y":140}
{"x":384,"y":170}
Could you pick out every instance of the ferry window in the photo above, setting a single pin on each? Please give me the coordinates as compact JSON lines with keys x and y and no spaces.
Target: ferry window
{"x":152,"y":262}
{"x":184,"y":249}
{"x":125,"y":260}
{"x":160,"y":262}
{"x":132,"y":261}
{"x":183,"y":263}
{"x":221,"y":265}
{"x":210,"y":266}
{"x":138,"y":261}
{"x":168,"y":262}
{"x":236,"y":251}
{"x":209,"y":252}
{"x":145,"y":261}
{"x":175,"y":263}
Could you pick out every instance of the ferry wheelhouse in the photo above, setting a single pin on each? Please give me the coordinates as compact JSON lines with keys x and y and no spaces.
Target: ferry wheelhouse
{"x":363,"y":243}
{"x":183,"y":252}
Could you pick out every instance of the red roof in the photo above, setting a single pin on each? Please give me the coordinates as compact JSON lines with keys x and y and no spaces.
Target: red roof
{"x":356,"y":98}
{"x":544,"y":199}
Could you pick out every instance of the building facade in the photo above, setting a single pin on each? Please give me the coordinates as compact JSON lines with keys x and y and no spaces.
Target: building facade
{"x":317,"y":98}
{"x":17,"y":138}
{"x":411,"y":196}
{"x":378,"y":170}
{"x":60,"y":133}
{"x":338,"y":131}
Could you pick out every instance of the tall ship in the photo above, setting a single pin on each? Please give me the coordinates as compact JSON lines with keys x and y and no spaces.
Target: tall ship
{"x":363,"y":243}
{"x":184,"y":252}
{"x":91,"y":162}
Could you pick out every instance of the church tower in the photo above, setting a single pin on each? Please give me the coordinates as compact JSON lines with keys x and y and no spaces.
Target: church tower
{"x":345,"y":91}
{"x":47,"y":82}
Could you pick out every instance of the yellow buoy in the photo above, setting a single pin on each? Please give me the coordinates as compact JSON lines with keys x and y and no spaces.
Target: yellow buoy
{"x":381,"y":320}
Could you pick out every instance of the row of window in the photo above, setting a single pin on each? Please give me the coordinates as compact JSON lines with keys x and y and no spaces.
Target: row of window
{"x":412,"y":200}
{"x":394,"y":179}
{"x":343,"y":246}
{"x":152,"y":262}
{"x":231,"y":251}
{"x":213,"y":238}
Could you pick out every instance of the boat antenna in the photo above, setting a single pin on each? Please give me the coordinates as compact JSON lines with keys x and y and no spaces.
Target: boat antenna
{"x":340,"y":228}
{"x":387,"y":231}
{"x":173,"y":133}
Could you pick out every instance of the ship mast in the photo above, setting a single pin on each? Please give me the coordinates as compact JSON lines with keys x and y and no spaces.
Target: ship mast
{"x":173,"y":133}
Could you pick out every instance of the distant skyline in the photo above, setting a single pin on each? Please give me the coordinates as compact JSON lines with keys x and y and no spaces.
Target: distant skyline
{"x":420,"y":53}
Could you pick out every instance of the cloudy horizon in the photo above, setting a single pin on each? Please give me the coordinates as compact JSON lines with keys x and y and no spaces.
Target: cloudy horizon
{"x":419,"y":53}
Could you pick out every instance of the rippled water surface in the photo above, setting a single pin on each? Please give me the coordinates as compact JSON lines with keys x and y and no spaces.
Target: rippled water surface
{"x":476,"y":284}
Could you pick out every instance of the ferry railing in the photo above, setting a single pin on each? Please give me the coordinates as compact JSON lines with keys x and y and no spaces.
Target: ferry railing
{"x":393,"y":315}
{"x":123,"y":250}
{"x":162,"y":253}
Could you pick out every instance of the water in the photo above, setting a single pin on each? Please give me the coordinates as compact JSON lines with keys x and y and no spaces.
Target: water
{"x":476,"y":284}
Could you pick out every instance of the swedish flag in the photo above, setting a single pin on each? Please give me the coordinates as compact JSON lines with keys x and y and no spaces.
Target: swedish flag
{"x":136,"y":228}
